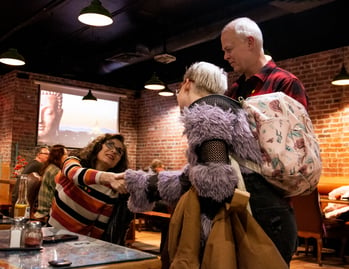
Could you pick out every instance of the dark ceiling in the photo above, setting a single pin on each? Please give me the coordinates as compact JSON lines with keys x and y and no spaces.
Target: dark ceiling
{"x":53,"y":41}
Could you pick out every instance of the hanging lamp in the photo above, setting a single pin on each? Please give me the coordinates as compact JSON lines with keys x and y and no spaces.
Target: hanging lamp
{"x":12,"y":57}
{"x":342,"y":79}
{"x":95,"y":15}
{"x":166,"y":92}
{"x":154,"y":83}
{"x":89,"y":97}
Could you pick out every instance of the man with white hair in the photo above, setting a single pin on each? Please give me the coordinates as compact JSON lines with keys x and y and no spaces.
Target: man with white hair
{"x":242,"y":44}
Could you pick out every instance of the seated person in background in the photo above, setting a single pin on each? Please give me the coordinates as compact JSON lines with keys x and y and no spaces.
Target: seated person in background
{"x":335,"y":210}
{"x":156,"y":166}
{"x":88,"y":189}
{"x":51,"y":168}
{"x":35,"y":165}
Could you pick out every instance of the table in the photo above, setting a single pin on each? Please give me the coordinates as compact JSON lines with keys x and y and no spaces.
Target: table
{"x":324,"y":199}
{"x":5,"y":223}
{"x":85,"y":252}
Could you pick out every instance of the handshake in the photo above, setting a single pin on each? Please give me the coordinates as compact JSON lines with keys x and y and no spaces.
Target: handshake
{"x":115,"y":181}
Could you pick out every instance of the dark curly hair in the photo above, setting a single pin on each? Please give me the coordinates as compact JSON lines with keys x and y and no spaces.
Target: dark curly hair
{"x":88,"y":154}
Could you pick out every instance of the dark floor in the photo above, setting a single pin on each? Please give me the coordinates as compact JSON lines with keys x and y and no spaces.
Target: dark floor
{"x":149,"y":241}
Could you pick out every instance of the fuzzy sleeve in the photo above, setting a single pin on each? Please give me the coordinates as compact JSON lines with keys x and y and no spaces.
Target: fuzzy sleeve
{"x":172,"y":184}
{"x":137,"y":184}
{"x":169,"y":184}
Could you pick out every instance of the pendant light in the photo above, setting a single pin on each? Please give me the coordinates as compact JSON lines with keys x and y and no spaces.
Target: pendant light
{"x":166,"y":92}
{"x":154,"y":83}
{"x":342,"y":79}
{"x":12,"y":57}
{"x":89,"y":97}
{"x":95,"y":15}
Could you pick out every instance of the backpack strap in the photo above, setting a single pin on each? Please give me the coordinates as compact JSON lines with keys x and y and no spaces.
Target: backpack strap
{"x":248,"y":164}
{"x":241,"y":184}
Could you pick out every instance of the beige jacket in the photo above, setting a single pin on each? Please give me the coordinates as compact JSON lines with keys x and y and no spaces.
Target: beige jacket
{"x":236,"y":240}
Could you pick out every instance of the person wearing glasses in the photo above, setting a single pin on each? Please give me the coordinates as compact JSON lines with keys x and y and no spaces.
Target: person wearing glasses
{"x":34,"y":166}
{"x":216,"y":127}
{"x":41,"y":156}
{"x":90,"y":188}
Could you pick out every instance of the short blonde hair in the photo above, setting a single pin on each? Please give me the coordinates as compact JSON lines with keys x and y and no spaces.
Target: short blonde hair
{"x":207,"y":77}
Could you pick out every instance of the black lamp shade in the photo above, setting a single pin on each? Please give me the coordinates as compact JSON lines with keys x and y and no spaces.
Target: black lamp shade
{"x":12,"y":57}
{"x":154,"y":83}
{"x":95,"y":14}
{"x":166,"y":92}
{"x":89,"y":97}
{"x":342,"y":78}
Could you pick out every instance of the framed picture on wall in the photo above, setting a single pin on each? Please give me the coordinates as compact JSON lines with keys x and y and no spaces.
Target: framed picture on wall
{"x":64,"y":118}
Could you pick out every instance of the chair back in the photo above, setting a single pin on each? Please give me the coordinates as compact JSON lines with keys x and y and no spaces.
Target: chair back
{"x":308,"y":213}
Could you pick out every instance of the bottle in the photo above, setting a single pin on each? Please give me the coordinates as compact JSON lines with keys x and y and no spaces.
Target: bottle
{"x":22,"y":207}
{"x":33,"y":234}
{"x":16,"y":232}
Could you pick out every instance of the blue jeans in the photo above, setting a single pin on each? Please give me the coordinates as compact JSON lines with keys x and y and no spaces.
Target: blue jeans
{"x":273,"y":213}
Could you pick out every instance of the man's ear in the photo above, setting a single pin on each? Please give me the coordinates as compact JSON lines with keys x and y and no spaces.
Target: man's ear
{"x":251,"y":42}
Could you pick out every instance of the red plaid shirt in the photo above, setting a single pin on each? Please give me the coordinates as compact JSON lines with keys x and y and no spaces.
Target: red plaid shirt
{"x":271,"y":78}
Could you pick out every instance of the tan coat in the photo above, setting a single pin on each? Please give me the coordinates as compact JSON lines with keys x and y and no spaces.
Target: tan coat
{"x":236,"y":240}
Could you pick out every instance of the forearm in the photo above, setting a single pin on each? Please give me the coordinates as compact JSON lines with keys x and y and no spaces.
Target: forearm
{"x":73,"y":170}
{"x":146,"y":189}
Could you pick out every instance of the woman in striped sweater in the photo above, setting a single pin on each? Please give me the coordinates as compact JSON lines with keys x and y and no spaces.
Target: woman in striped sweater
{"x":89,"y":187}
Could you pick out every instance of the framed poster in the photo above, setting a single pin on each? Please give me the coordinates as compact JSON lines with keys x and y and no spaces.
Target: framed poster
{"x":64,"y":118}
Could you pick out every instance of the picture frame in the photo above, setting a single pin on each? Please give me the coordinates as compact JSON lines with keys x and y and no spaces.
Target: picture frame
{"x":64,"y":118}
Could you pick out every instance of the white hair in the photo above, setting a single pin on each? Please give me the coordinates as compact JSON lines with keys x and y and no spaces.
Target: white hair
{"x":208,"y":77}
{"x":245,"y":27}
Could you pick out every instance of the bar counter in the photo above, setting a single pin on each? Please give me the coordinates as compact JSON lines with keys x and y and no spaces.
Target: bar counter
{"x":85,"y":252}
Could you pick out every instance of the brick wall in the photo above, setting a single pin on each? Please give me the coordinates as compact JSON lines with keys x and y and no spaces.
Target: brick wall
{"x":19,"y":112}
{"x":151,"y":123}
{"x":328,"y":105}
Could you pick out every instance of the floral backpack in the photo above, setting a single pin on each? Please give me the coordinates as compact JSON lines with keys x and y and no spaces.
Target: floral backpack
{"x":290,"y":150}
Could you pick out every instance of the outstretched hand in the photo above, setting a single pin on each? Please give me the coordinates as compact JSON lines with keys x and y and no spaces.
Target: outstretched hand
{"x":119,"y":186}
{"x":115,"y":181}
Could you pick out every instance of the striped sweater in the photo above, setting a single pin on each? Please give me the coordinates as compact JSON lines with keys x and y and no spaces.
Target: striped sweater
{"x":80,"y":204}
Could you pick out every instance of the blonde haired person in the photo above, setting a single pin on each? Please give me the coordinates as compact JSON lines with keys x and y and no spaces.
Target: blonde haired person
{"x":216,"y":127}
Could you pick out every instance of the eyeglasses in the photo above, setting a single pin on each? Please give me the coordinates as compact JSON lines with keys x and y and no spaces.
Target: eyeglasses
{"x":110,"y":145}
{"x":181,"y":85}
{"x":178,"y":90}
